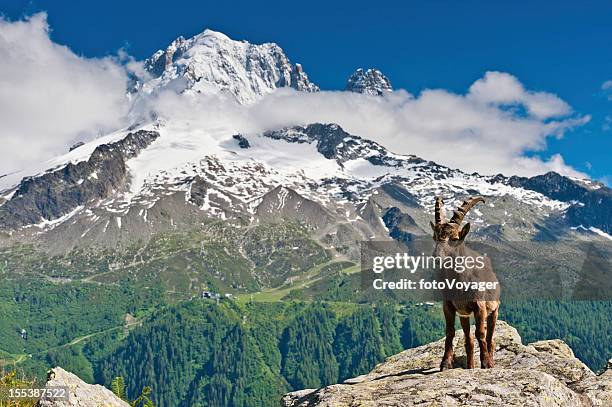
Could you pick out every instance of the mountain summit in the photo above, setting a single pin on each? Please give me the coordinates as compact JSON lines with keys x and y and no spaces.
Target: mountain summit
{"x":370,"y":82}
{"x":211,"y":62}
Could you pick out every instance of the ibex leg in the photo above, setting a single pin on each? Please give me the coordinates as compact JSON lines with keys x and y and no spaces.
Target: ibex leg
{"x":449,"y":317}
{"x":480,"y":316}
{"x":491,"y":320}
{"x":469,"y":342}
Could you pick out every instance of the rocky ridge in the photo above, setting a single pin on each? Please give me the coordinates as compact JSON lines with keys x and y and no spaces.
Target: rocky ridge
{"x":157,"y":178}
{"x":543,"y":373}
{"x":591,"y":201}
{"x":48,"y":197}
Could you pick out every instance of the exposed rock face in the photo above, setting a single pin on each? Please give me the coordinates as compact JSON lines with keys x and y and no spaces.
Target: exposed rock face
{"x":299,"y":80}
{"x":543,"y":373}
{"x":399,"y":224}
{"x":335,"y":143}
{"x":57,"y":192}
{"x":76,"y":145}
{"x":283,"y":203}
{"x":203,"y":194}
{"x":591,"y":202}
{"x":370,"y":82}
{"x":242,"y":141}
{"x":81,"y":394}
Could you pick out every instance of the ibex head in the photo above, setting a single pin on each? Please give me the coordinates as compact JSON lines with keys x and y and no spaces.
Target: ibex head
{"x":452,"y":231}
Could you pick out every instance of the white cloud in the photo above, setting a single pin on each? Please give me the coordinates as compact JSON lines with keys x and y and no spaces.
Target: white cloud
{"x":499,"y":88}
{"x":51,"y":97}
{"x":475,"y":131}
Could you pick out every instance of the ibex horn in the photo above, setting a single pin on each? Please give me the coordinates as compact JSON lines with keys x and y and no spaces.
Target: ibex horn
{"x":439,"y":215}
{"x":465,"y":207}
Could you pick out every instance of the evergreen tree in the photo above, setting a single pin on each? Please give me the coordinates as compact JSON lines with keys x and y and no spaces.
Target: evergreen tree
{"x":306,"y":346}
{"x":358,"y":343}
{"x":388,"y":318}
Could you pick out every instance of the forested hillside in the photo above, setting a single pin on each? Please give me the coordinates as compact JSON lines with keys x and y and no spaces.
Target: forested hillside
{"x":244,"y":353}
{"x":246,"y":350}
{"x":203,"y":353}
{"x":206,"y":353}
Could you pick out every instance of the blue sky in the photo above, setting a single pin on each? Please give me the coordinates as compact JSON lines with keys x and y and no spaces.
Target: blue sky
{"x":563,"y":48}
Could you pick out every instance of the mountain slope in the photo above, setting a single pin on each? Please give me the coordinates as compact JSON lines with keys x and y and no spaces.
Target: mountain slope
{"x":46,"y":198}
{"x":211,"y":173}
{"x":168,"y":174}
{"x":591,"y":201}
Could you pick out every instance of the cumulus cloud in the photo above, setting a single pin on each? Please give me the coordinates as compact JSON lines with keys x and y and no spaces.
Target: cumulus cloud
{"x":497,"y":126}
{"x":499,"y":89}
{"x":51,"y":97}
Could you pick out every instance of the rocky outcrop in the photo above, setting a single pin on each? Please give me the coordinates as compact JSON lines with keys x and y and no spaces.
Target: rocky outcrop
{"x":76,"y":145}
{"x":543,"y":373}
{"x":80,"y":394}
{"x":330,"y":138}
{"x":242,"y":141}
{"x":299,"y":80}
{"x":400,"y":225}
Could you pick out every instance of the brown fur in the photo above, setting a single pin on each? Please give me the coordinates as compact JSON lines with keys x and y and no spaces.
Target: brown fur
{"x":449,"y":238}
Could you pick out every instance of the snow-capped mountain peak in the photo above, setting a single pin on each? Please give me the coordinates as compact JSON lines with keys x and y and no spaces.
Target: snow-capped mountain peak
{"x":369,"y":82}
{"x":211,"y":62}
{"x":157,"y":175}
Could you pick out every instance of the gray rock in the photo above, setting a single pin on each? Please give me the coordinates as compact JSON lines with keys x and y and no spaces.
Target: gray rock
{"x":597,"y":388}
{"x":81,"y":394}
{"x":242,"y":141}
{"x":76,"y":145}
{"x":333,"y":142}
{"x":544,"y":373}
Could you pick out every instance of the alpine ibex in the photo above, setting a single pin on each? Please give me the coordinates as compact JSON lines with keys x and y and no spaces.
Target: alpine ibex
{"x":449,"y":240}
